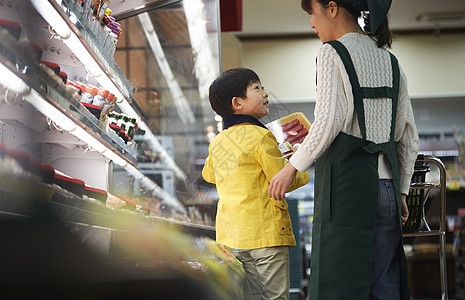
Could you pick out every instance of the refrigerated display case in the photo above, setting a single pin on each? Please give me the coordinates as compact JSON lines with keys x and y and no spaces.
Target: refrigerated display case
{"x":108,"y":179}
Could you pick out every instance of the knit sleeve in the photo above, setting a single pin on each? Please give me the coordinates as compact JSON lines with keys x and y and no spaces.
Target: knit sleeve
{"x":407,"y":135}
{"x":329,"y":112}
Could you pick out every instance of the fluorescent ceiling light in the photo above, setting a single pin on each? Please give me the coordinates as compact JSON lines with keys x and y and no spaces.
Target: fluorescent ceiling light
{"x":206,"y":68}
{"x":115,"y":158}
{"x":50,"y":111}
{"x":53,"y":18}
{"x":11,"y":81}
{"x":182,"y":106}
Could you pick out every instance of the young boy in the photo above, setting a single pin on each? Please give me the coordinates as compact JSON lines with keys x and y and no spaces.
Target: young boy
{"x":242,"y":160}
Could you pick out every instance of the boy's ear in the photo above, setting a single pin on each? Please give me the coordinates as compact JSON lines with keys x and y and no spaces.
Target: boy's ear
{"x":236,"y":104}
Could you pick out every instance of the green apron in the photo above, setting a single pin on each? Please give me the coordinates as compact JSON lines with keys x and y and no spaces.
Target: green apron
{"x":346,"y":193}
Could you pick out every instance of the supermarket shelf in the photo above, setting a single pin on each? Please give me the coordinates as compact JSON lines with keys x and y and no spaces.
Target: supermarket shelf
{"x":112,"y":74}
{"x":22,"y":197}
{"x":55,"y":94}
{"x":69,"y":11}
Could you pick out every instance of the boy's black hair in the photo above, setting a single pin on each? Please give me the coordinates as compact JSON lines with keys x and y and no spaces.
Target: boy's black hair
{"x":231,"y":83}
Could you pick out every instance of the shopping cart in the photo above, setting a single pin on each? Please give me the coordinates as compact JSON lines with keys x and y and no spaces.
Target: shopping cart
{"x":417,"y":199}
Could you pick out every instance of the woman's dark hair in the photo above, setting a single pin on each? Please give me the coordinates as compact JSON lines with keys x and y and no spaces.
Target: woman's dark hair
{"x":383,"y":34}
{"x":231,"y":83}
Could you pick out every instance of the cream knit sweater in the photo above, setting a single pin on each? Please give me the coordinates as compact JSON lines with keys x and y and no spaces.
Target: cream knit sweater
{"x":334,"y":109}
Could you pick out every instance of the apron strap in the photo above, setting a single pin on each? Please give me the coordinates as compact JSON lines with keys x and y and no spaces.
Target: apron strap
{"x":395,"y":92}
{"x":356,"y":90}
{"x":360,"y":93}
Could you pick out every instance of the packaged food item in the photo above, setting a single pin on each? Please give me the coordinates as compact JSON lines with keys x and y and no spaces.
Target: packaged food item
{"x":89,"y":94}
{"x":94,"y":109}
{"x":63,"y":76}
{"x":102,"y":9}
{"x":14,"y":28}
{"x":94,"y":193}
{"x":100,"y":98}
{"x":73,"y":185}
{"x":290,"y":131}
{"x":53,"y":66}
{"x":73,"y":87}
{"x":109,"y":104}
{"x":122,"y":121}
{"x":130,"y":127}
{"x":113,"y":121}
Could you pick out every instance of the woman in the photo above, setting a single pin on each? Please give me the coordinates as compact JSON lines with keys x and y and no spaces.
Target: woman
{"x":365,"y":144}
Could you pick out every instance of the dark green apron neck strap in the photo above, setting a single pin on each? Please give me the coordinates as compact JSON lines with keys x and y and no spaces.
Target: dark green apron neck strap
{"x":395,"y":92}
{"x":363,"y":92}
{"x":356,"y":90}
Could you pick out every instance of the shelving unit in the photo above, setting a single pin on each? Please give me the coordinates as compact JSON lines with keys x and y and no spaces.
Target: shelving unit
{"x":63,"y":166}
{"x":60,"y":107}
{"x":441,"y":231}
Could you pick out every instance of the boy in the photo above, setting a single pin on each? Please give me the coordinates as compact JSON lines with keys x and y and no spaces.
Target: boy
{"x":242,"y":160}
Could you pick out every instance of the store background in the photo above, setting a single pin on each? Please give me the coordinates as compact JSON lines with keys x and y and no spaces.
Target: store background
{"x":273,"y":38}
{"x":277,"y":42}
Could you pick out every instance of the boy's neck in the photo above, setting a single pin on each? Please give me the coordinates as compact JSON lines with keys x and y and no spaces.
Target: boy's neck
{"x":238,"y":119}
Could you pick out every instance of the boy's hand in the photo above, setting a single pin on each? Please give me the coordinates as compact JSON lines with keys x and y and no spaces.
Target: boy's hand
{"x":281,"y":182}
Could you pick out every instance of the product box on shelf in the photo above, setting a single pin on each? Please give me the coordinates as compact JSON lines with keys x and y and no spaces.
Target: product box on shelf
{"x":95,"y":193}
{"x":290,"y":131}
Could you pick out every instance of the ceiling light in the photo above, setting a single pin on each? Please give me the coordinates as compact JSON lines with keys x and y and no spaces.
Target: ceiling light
{"x":53,"y":18}
{"x":50,"y":111}
{"x":444,"y":16}
{"x":12,"y":81}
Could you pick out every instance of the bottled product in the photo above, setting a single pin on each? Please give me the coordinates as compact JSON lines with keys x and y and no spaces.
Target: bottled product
{"x":89,"y":94}
{"x":73,"y":86}
{"x":103,"y":8}
{"x":122,"y":122}
{"x":130,"y":127}
{"x":113,"y":119}
{"x":101,"y":98}
{"x":110,"y":103}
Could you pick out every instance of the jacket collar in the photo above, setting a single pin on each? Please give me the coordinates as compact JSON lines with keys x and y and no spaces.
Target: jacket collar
{"x":232,"y":120}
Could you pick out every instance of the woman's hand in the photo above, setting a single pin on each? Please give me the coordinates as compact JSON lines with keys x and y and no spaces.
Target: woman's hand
{"x":404,"y":209}
{"x":281,"y":182}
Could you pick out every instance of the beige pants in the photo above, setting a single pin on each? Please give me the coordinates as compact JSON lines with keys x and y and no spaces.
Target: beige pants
{"x":266,"y":272}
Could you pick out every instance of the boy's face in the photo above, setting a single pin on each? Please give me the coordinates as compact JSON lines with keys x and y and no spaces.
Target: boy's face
{"x":256,"y":102}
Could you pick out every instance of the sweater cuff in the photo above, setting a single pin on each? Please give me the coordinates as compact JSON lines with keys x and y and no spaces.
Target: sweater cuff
{"x":405,"y":183}
{"x":299,"y":160}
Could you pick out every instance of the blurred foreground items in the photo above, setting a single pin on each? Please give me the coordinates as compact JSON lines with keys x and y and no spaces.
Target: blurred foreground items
{"x":58,"y":245}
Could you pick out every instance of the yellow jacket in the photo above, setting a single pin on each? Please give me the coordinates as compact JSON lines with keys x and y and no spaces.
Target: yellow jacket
{"x":242,"y":161}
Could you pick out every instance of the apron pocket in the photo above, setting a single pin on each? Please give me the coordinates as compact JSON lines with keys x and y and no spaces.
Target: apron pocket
{"x":323,"y":193}
{"x":281,"y":218}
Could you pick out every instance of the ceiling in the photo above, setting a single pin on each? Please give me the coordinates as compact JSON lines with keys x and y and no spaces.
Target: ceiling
{"x":285,"y":17}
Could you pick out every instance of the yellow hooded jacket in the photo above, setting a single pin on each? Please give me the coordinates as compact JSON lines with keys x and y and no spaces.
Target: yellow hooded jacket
{"x":242,"y":161}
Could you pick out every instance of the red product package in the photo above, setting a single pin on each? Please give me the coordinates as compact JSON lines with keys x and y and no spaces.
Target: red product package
{"x":290,"y":131}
